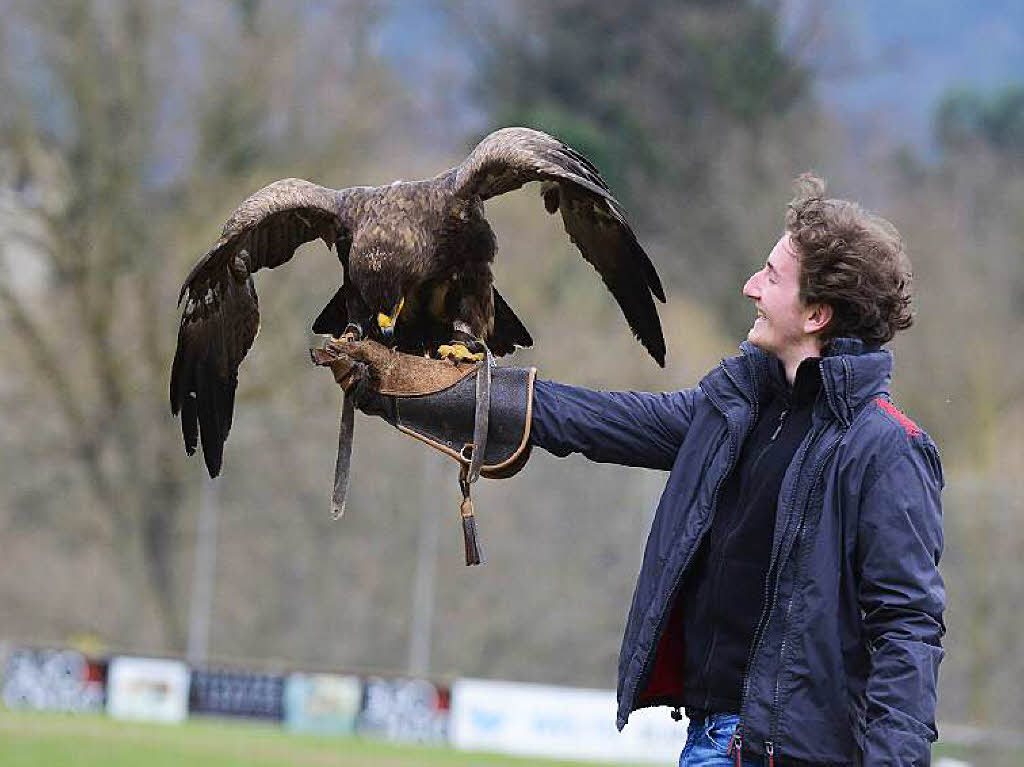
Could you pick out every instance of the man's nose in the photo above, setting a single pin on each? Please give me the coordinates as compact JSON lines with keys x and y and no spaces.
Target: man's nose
{"x":750,"y":289}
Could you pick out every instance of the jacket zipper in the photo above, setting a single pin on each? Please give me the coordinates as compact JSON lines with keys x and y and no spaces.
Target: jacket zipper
{"x":718,"y":572}
{"x":774,"y":711}
{"x":733,"y":455}
{"x":769,"y":606}
{"x":737,"y":739}
{"x":773,"y":727}
{"x":767,"y":610}
{"x":782,"y":420}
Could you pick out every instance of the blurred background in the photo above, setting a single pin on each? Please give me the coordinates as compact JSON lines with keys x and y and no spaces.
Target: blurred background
{"x":129,"y":131}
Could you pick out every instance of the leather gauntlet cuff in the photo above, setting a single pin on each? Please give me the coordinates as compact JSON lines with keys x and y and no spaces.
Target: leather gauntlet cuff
{"x":444,"y":420}
{"x":448,"y":406}
{"x":435,"y":400}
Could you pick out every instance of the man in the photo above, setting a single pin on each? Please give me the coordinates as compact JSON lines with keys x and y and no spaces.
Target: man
{"x":789,"y":596}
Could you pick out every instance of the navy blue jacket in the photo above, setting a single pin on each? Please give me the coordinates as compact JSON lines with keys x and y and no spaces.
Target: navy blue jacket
{"x":844,"y":665}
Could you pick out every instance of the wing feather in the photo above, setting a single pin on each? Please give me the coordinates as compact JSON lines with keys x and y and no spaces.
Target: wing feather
{"x":221,"y":318}
{"x":511,"y":157}
{"x":616,"y":255}
{"x":594,"y":220}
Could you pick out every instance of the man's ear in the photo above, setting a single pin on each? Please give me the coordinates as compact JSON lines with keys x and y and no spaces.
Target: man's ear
{"x":818,"y":318}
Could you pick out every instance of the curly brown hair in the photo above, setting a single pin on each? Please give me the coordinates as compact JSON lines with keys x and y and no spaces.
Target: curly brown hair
{"x":851,"y":260}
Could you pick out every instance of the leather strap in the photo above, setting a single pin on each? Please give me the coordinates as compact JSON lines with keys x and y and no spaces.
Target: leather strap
{"x":344,"y":460}
{"x":481,"y":417}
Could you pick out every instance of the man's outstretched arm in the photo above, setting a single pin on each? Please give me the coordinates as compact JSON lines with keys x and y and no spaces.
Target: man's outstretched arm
{"x":629,"y":428}
{"x":434,"y":401}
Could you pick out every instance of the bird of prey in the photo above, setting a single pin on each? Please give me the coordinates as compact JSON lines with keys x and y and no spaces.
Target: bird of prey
{"x":416,"y":268}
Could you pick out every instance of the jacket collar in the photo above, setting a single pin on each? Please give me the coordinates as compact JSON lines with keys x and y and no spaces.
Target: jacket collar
{"x":851,"y":373}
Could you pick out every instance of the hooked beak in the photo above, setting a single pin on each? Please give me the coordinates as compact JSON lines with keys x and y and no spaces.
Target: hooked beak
{"x":386,"y":323}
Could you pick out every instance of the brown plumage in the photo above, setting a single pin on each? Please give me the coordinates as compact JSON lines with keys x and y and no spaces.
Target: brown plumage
{"x":421,"y":248}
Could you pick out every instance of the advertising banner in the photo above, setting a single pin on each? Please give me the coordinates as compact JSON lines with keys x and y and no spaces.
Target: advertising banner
{"x":412,"y":710}
{"x":558,"y":722}
{"x":147,"y":689}
{"x":53,"y":680}
{"x":237,"y":693}
{"x":322,"y":703}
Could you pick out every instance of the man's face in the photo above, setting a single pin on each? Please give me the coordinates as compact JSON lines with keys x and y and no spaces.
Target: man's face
{"x":782,"y":319}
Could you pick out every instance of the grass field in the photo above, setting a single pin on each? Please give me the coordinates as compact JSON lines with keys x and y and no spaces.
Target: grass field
{"x":60,"y":740}
{"x":56,"y":740}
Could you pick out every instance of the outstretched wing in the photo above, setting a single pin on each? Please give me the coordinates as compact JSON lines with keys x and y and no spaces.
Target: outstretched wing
{"x":594,"y":220}
{"x":221,"y":315}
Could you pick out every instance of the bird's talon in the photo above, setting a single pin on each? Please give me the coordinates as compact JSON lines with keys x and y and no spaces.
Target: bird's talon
{"x":458,"y":353}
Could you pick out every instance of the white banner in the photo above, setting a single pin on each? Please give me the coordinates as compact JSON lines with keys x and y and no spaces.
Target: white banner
{"x":147,"y":689}
{"x":558,"y":722}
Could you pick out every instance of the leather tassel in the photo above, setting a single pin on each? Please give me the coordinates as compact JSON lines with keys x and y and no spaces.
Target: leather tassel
{"x":474,"y":552}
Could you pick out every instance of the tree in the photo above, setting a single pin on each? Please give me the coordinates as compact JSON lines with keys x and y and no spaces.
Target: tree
{"x":968,"y":117}
{"x":678,"y":104}
{"x":120,"y":158}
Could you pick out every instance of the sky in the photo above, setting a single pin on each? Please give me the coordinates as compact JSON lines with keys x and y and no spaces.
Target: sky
{"x":884,"y":65}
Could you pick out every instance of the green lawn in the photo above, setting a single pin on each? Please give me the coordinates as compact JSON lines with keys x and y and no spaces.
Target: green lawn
{"x":56,"y":740}
{"x":61,"y":740}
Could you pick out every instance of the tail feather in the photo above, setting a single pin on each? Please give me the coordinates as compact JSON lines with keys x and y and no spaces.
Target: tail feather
{"x":334,"y":318}
{"x":509,"y":331}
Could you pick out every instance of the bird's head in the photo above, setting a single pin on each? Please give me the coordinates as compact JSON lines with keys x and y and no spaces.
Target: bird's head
{"x":387,"y":319}
{"x":382,"y":291}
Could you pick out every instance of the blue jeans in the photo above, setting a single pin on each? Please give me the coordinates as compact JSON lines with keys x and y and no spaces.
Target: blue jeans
{"x":707,"y":741}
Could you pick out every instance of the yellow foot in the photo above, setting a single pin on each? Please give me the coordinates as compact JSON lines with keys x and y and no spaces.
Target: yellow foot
{"x":458,"y":353}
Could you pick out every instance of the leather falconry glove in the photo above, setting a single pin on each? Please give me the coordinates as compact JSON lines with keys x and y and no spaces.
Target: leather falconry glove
{"x":451,"y":407}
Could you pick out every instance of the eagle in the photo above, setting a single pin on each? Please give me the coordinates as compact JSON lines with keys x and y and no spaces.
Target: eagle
{"x":416,"y":268}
